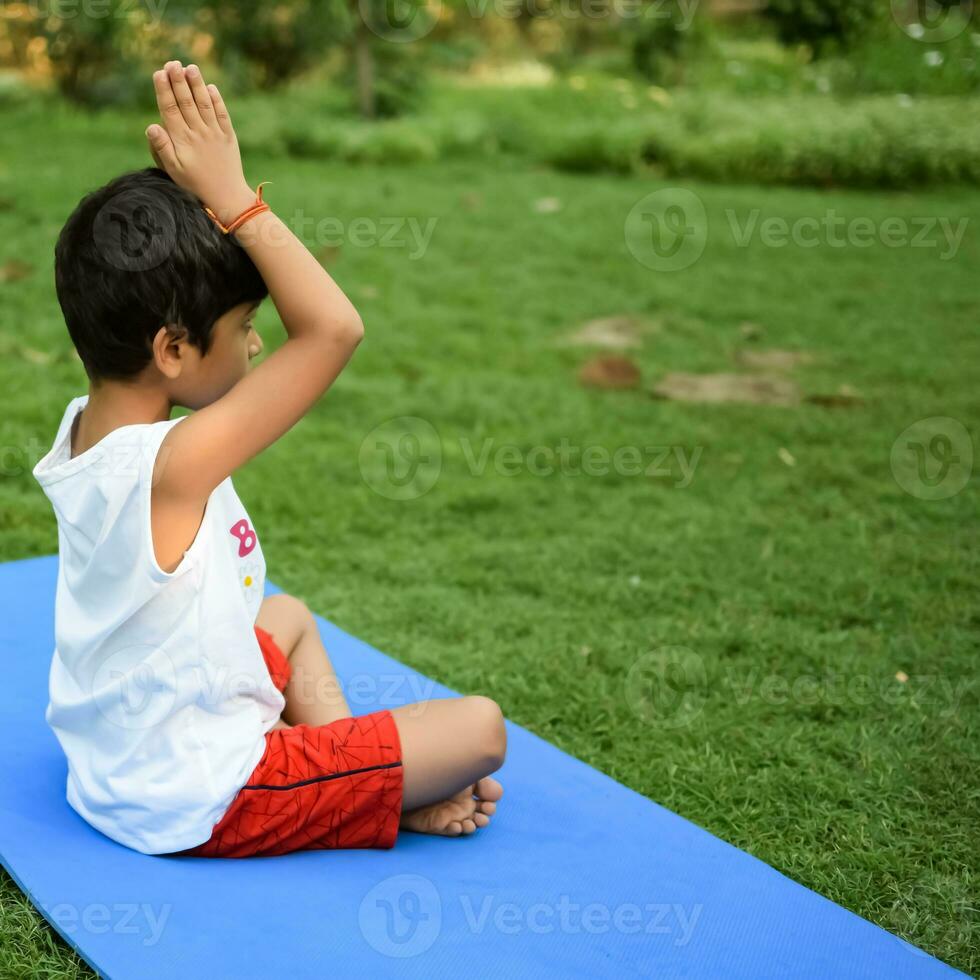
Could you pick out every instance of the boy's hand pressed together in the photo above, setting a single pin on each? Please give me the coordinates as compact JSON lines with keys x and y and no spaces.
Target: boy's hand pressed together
{"x":196,"y":145}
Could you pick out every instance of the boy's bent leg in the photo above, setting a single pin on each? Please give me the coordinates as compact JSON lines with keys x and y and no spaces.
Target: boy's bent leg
{"x":313,"y":693}
{"x":448,"y":747}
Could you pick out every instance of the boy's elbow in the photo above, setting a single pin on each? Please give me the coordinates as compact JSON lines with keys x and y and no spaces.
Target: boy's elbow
{"x":355,"y":328}
{"x":349,"y":331}
{"x":340,"y":334}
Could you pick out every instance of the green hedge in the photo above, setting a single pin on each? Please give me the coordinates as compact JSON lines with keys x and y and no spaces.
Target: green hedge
{"x":877,"y":141}
{"x":874,"y":142}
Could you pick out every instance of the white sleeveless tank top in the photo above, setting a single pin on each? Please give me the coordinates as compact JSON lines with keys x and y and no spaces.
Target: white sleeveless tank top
{"x":159,"y":694}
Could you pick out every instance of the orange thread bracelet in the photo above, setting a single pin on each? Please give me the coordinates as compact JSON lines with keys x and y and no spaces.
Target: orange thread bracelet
{"x":257,"y":208}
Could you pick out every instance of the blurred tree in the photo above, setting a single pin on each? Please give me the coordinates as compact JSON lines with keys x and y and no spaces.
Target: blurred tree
{"x":93,"y":55}
{"x":365,"y":70}
{"x":825,"y":24}
{"x":661,"y":36}
{"x":79,"y":49}
{"x":271,"y":43}
{"x":386,"y":54}
{"x":276,"y":41}
{"x":585,"y":23}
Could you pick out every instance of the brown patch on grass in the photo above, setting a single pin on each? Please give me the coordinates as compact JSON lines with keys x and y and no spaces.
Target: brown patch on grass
{"x":15,"y":269}
{"x":609,"y":371}
{"x":844,"y":397}
{"x":610,"y":333}
{"x":752,"y":389}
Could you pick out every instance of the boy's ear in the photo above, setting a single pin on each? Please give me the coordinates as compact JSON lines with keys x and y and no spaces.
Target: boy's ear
{"x":170,"y":349}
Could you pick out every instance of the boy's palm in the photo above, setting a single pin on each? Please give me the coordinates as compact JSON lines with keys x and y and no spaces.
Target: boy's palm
{"x":196,"y":145}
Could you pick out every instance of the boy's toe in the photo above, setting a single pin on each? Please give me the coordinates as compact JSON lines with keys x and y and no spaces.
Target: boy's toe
{"x":488,"y":789}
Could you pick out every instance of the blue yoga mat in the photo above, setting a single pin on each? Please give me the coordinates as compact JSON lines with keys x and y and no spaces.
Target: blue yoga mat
{"x":578,"y":877}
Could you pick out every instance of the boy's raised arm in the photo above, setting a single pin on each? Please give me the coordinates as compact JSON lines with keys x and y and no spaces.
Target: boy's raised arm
{"x":197,"y":147}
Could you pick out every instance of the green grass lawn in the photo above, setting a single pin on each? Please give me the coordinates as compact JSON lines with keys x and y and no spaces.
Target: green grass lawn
{"x":727,"y":647}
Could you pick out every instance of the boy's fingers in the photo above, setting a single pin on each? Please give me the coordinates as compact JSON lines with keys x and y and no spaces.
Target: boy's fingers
{"x":200,"y":92}
{"x":170,"y":113}
{"x":183,"y":96}
{"x":220,"y":110}
{"x":162,"y":148}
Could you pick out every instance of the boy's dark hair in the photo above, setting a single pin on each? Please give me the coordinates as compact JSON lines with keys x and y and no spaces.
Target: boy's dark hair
{"x":140,"y":253}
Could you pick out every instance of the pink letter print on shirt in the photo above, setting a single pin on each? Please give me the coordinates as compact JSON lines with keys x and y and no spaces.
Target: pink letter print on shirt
{"x":246,"y":537}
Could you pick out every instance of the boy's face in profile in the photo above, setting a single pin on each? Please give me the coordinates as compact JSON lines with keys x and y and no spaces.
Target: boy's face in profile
{"x":203,"y":379}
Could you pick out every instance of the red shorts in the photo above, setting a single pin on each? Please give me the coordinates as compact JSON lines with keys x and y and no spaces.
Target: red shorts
{"x":316,"y":787}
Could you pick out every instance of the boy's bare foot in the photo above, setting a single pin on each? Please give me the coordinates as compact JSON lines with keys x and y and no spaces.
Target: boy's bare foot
{"x":460,"y":814}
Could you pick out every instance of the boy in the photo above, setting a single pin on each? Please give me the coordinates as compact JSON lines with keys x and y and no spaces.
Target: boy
{"x":196,"y":716}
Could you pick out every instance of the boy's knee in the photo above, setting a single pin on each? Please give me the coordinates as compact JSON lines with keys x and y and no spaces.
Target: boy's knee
{"x":488,"y":723}
{"x":287,"y":618}
{"x":291,"y":608}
